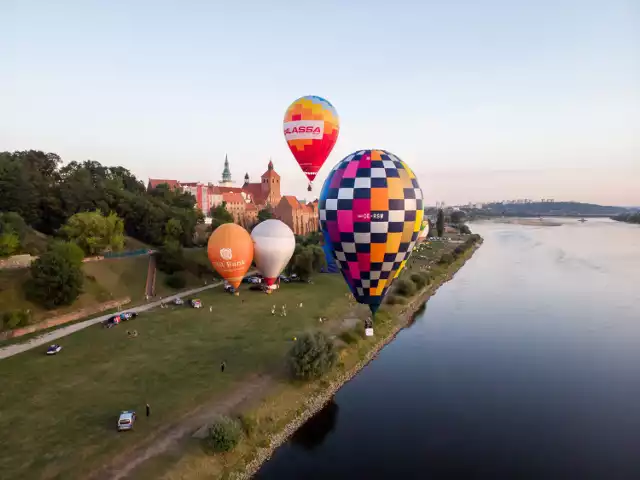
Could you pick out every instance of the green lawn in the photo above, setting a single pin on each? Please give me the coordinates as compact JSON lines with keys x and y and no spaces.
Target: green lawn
{"x":58,"y":414}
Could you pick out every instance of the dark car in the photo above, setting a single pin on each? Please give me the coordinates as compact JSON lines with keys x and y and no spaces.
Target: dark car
{"x":284,"y":278}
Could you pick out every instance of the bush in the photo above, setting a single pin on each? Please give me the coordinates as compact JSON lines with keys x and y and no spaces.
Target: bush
{"x":465,"y":230}
{"x":405,"y":287}
{"x":395,"y":300}
{"x":176,"y":281}
{"x":311,"y":356}
{"x":459,"y":250}
{"x":418,"y":280}
{"x":15,"y":319}
{"x":446,"y":259}
{"x":223,"y":435}
{"x":56,"y":276}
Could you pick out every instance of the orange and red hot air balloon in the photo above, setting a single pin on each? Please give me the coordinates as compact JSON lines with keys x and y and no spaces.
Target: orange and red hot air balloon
{"x":311,"y":128}
{"x":230,"y":250}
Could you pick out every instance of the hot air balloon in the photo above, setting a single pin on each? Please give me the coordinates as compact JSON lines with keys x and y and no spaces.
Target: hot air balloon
{"x":230,"y":250}
{"x":424,"y":230}
{"x":274,"y":244}
{"x":371,"y":210}
{"x":311,"y":128}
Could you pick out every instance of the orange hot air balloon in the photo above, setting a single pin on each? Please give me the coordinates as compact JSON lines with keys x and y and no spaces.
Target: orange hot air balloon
{"x":230,"y":251}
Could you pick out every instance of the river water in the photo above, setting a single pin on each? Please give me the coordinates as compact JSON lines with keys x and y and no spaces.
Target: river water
{"x":525,"y":365}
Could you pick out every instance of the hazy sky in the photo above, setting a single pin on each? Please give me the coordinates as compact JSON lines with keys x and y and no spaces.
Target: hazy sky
{"x":484,"y":99}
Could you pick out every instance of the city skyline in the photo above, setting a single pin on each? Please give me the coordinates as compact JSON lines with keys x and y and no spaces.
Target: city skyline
{"x":481,"y":99}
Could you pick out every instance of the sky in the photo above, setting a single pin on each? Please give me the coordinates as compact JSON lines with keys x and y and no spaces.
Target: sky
{"x":484,"y":99}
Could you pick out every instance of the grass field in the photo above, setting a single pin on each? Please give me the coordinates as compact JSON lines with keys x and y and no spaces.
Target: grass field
{"x":58,"y":414}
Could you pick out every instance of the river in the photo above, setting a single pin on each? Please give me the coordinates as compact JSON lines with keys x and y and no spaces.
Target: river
{"x":525,"y":365}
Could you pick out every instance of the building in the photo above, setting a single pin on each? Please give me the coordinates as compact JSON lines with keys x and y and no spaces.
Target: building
{"x":244,"y":203}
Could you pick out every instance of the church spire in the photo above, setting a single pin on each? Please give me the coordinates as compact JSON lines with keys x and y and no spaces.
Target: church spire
{"x":226,"y":173}
{"x":270,"y":166}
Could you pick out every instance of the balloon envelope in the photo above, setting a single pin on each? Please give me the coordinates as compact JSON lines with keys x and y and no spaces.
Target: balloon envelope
{"x":274,"y":244}
{"x":230,"y":251}
{"x":371,"y":211}
{"x":311,"y":128}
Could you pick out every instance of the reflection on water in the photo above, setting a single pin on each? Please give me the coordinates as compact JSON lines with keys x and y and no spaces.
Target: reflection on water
{"x":316,"y":429}
{"x":525,"y":366}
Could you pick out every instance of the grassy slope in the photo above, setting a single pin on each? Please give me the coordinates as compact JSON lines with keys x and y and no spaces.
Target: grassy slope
{"x":106,"y":280}
{"x":65,"y":407}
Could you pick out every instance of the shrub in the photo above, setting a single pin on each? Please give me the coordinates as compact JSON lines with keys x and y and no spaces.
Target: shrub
{"x":311,"y":356}
{"x":405,"y":287}
{"x":15,"y":319}
{"x":176,"y":281}
{"x":394,"y":300}
{"x":223,"y":435}
{"x":446,"y":259}
{"x":418,"y":280}
{"x":464,"y":229}
{"x":459,"y":250}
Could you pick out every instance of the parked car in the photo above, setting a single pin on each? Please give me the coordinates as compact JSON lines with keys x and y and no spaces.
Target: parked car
{"x":128,"y":315}
{"x":196,"y":303}
{"x":126,"y":420}
{"x":53,"y":349}
{"x":178,"y":301}
{"x":112,"y":321}
{"x":229,"y":288}
{"x":284,"y":278}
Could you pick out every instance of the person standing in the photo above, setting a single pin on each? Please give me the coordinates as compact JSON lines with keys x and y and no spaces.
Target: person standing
{"x":148,"y":410}
{"x":222,"y":366}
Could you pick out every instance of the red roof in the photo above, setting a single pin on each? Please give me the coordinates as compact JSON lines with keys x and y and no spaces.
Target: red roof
{"x":229,"y":189}
{"x":250,"y":207}
{"x":154,"y":182}
{"x":213,"y":190}
{"x":232,"y":198}
{"x":255,"y":190}
{"x":292,"y":201}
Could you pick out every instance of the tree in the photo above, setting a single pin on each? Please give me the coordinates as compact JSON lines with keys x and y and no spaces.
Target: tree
{"x":56,"y":276}
{"x":440,"y":223}
{"x":9,"y":244}
{"x":308,"y":260}
{"x":465,"y":230}
{"x":223,"y":435}
{"x":171,"y":257}
{"x":264,"y":214}
{"x":311,"y":356}
{"x":457,"y":217}
{"x":95,"y":233}
{"x":220,"y":215}
{"x":173,"y":230}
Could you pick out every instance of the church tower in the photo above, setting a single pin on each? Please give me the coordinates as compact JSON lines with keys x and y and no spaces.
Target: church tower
{"x":270,"y":185}
{"x":226,"y":174}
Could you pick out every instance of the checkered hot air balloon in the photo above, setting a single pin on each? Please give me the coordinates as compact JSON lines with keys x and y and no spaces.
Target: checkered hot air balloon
{"x":371,"y":211}
{"x":311,"y":128}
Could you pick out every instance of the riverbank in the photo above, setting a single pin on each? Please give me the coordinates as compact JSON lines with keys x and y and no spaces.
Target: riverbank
{"x":271,"y":421}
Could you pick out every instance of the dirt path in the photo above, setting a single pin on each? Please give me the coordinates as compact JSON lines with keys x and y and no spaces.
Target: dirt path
{"x":124,"y":465}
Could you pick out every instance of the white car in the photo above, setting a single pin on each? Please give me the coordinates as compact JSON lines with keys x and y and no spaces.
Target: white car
{"x":195,"y":303}
{"x":126,"y":420}
{"x":178,"y":301}
{"x":53,"y":349}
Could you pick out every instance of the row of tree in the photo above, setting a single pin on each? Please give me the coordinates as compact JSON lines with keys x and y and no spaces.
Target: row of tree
{"x":633,"y":217}
{"x":46,"y":194}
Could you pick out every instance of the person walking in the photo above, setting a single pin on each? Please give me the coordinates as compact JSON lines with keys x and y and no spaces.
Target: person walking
{"x":148,"y":410}
{"x":222,"y":366}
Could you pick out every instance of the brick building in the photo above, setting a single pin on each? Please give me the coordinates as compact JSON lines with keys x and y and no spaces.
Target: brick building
{"x":245,"y":202}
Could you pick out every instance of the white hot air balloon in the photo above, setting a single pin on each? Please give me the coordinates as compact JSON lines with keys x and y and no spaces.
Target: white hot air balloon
{"x":274,"y":244}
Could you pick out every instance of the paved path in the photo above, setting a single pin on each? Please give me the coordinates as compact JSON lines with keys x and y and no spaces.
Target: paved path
{"x":47,"y":338}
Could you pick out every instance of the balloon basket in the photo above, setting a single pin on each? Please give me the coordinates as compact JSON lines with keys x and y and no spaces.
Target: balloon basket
{"x":368,"y":332}
{"x":309,"y":188}
{"x":237,"y":294}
